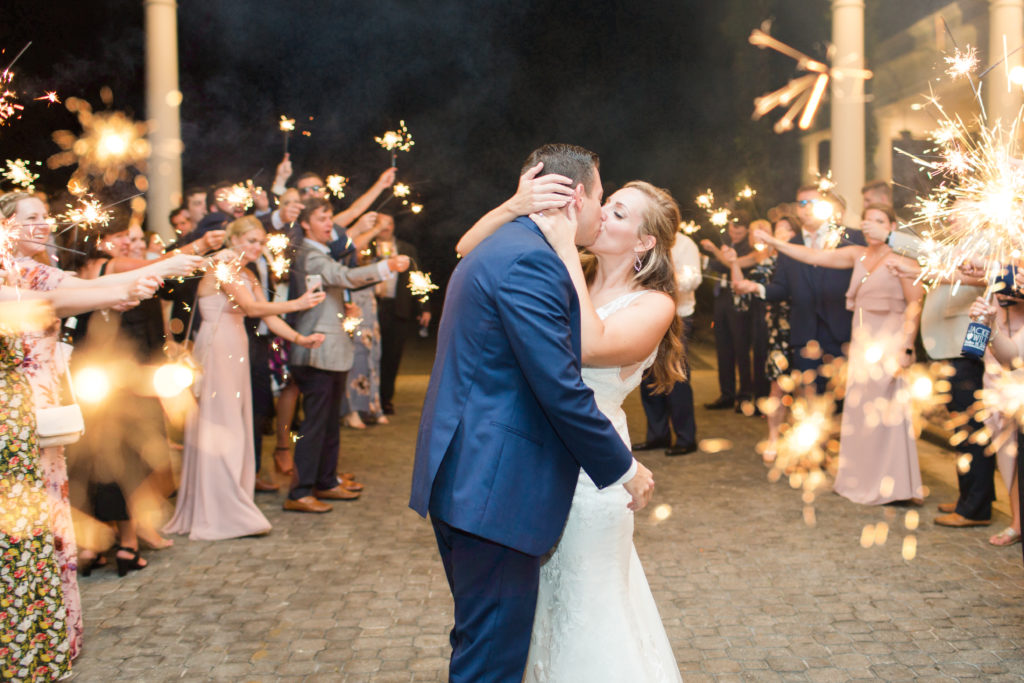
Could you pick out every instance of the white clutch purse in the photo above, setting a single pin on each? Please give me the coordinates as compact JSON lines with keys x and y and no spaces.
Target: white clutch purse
{"x":61,"y":425}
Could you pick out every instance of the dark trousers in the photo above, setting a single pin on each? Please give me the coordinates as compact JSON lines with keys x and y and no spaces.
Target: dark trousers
{"x":495,"y":592}
{"x":759,"y":343}
{"x":262,"y":392}
{"x":675,"y":407}
{"x":1020,"y":475}
{"x":316,"y":451}
{"x":977,"y":484}
{"x":393,"y":333}
{"x":830,"y":347}
{"x":732,"y":344}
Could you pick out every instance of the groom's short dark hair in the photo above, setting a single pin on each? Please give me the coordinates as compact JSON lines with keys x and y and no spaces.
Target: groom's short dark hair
{"x":574,"y":162}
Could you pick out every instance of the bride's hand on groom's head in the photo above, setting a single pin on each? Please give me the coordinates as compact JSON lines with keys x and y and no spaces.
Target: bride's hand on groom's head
{"x":559,"y":228}
{"x":551,"y":191}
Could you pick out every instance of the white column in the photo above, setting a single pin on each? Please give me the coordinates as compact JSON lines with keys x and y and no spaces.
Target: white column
{"x":848,"y":137}
{"x":1005,"y":20}
{"x":163,"y":100}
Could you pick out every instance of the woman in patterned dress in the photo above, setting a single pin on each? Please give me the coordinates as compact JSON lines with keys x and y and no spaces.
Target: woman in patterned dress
{"x":34,"y":643}
{"x":780,"y":353}
{"x":42,"y":367}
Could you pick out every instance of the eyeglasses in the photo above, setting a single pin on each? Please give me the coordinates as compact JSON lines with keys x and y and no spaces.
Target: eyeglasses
{"x":805,"y":202}
{"x":309,"y":189}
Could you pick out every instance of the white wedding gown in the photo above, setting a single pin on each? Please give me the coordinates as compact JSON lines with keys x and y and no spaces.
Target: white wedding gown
{"x":596,"y":619}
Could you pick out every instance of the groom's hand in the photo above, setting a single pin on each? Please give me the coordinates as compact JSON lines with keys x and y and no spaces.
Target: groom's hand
{"x":641,"y":486}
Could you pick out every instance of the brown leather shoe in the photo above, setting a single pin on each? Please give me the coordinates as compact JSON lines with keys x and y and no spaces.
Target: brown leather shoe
{"x":306,"y":504}
{"x":947,"y":507}
{"x":953,"y":519}
{"x":337,"y":493}
{"x":265,"y":486}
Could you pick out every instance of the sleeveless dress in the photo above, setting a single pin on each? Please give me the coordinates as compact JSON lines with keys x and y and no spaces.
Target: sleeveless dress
{"x":215,"y":498}
{"x":877,"y":450}
{"x":596,"y":619}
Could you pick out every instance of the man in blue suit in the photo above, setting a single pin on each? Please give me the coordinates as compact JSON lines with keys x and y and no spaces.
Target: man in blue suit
{"x":507,"y":423}
{"x":820,"y":325}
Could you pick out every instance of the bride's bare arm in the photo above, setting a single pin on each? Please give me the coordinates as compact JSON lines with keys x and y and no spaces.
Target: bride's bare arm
{"x":627,"y":336}
{"x":534,"y":194}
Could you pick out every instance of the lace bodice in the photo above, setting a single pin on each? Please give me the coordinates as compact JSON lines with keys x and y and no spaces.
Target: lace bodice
{"x":609,"y":386}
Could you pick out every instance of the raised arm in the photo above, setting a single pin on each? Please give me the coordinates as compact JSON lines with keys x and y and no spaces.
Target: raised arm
{"x":533,"y":195}
{"x":335,"y":274}
{"x":625,"y":337}
{"x":257,"y":306}
{"x":363,"y":202}
{"x":119,"y":272}
{"x":841,"y":258}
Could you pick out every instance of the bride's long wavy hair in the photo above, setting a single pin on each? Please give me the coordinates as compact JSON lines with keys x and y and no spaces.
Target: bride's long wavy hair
{"x":661,"y":221}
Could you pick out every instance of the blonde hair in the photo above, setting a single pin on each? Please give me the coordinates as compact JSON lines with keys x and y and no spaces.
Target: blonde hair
{"x":9,"y":202}
{"x":240,"y":226}
{"x":661,"y":220}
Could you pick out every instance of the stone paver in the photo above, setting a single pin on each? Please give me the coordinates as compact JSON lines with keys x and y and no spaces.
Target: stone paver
{"x":747,"y":590}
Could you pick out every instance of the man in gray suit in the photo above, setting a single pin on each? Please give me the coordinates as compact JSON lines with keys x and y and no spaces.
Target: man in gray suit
{"x":321,"y":373}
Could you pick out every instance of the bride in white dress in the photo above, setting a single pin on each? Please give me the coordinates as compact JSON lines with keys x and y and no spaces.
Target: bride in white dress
{"x":596,"y":619}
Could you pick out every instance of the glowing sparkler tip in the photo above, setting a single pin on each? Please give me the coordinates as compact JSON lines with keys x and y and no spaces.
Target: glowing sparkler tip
{"x":962,"y":64}
{"x":420,"y":285}
{"x":287,"y":124}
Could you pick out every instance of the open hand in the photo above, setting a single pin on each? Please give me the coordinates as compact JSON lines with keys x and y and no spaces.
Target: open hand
{"x":551,"y":191}
{"x":640,"y":487}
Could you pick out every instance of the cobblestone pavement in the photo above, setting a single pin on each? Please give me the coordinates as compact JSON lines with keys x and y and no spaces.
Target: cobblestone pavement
{"x":747,"y":590}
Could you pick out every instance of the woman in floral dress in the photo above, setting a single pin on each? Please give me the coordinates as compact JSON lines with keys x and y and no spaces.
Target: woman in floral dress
{"x":33,"y":632}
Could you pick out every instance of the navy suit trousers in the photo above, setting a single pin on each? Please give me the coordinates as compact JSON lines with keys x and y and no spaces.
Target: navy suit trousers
{"x":495,"y":591}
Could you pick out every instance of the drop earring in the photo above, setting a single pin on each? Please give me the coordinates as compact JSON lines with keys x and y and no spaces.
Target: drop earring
{"x":637,"y":264}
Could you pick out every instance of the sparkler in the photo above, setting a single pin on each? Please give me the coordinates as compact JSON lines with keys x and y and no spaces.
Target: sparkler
{"x":287,"y":125}
{"x":416,"y":208}
{"x":351,"y":325}
{"x":50,"y":97}
{"x":8,"y":107}
{"x":240,"y":195}
{"x":420,"y":285}
{"x":110,"y":143}
{"x":336,"y":185}
{"x":19,"y":173}
{"x":10,"y":234}
{"x":803,"y":94}
{"x":962,"y":64}
{"x":89,"y":213}
{"x":401,"y":190}
{"x":277,"y":245}
{"x":396,"y":140}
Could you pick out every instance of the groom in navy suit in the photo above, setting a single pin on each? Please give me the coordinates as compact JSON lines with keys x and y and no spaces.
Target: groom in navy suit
{"x":507,"y":423}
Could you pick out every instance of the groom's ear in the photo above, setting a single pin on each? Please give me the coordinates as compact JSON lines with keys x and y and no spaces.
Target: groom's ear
{"x":577,"y":196}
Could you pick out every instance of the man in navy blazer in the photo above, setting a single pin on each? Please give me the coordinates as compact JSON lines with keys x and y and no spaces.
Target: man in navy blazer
{"x":507,"y":423}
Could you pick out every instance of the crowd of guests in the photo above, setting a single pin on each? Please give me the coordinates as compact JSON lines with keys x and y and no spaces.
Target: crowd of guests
{"x":295,"y":351}
{"x":812,"y":314}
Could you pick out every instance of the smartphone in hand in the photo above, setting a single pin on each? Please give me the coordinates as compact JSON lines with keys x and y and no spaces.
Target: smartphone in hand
{"x":314,"y":282}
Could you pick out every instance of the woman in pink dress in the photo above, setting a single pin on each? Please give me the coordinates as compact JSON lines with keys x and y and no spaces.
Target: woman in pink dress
{"x":215,"y":498}
{"x":44,"y":368}
{"x":877,"y":450}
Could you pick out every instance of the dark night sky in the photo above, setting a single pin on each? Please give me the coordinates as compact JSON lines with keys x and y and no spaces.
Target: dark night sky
{"x":661,"y":89}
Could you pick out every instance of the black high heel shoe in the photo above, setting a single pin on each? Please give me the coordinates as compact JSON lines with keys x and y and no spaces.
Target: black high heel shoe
{"x":97,"y":562}
{"x":130,"y":564}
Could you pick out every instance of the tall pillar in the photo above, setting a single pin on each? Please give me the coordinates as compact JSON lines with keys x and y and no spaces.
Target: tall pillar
{"x":163,"y":100}
{"x":848,"y":137}
{"x":1005,"y":20}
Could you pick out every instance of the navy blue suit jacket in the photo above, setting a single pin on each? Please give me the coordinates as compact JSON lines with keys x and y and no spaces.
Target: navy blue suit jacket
{"x":507,"y":421}
{"x":817,"y":296}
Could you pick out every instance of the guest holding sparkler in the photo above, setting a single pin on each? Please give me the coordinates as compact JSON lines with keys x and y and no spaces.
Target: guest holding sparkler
{"x":320,"y":373}
{"x":732,"y":319}
{"x":779,"y":354}
{"x":877,"y":452}
{"x":40,"y":620}
{"x":400,"y":311}
{"x":215,"y":499}
{"x":43,"y":366}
